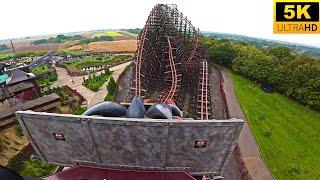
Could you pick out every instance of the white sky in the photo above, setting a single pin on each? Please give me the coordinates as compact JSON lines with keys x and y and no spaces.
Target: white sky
{"x":39,"y":17}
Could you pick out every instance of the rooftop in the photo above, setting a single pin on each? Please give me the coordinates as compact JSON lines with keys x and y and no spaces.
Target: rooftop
{"x":18,"y":75}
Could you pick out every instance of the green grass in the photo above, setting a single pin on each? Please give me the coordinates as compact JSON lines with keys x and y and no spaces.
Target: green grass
{"x":47,"y":80}
{"x":288,"y":133}
{"x":40,"y":70}
{"x":112,"y":87}
{"x":94,"y":83}
{"x":5,"y":56}
{"x":79,"y":110}
{"x":25,"y":166}
{"x":95,"y":62}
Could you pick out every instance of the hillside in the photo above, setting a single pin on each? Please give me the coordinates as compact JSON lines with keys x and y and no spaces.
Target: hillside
{"x":287,"y":133}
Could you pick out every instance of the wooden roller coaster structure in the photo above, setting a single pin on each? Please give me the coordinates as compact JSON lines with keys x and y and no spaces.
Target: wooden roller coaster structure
{"x":170,"y":64}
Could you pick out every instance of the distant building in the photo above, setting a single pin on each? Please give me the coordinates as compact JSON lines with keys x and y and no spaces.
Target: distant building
{"x":17,"y":85}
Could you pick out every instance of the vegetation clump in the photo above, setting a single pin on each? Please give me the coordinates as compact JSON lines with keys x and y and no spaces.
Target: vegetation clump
{"x":112,"y":87}
{"x":94,"y":82}
{"x":45,"y":75}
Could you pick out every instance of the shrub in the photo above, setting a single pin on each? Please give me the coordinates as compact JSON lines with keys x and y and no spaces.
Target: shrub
{"x":18,"y":131}
{"x":37,"y":168}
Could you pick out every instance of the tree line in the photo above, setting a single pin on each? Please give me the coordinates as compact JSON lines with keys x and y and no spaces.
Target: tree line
{"x":296,"y":76}
{"x":80,"y":38}
{"x":3,"y":47}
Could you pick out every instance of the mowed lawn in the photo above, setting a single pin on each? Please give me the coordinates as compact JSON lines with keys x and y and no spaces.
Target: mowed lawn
{"x":288,"y":133}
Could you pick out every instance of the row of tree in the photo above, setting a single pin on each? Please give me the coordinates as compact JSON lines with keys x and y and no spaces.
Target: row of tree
{"x":80,"y":38}
{"x":296,"y":76}
{"x":3,"y":47}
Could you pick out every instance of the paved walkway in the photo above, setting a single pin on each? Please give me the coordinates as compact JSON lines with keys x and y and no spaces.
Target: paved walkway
{"x":247,"y":143}
{"x":75,"y":83}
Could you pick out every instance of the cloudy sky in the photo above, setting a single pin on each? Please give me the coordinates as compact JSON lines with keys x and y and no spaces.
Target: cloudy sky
{"x":37,"y":17}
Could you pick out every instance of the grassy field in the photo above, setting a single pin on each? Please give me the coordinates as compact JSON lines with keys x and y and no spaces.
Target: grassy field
{"x":4,"y":56}
{"x":288,"y":133}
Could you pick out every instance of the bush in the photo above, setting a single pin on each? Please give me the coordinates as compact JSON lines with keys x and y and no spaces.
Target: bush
{"x":112,"y":87}
{"x":18,"y":131}
{"x":79,"y":110}
{"x":35,"y":167}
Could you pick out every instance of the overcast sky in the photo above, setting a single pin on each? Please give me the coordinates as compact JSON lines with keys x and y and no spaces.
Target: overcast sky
{"x":37,"y":17}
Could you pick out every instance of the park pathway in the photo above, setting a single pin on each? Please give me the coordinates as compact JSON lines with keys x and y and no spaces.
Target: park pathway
{"x":101,"y":94}
{"x":75,"y":83}
{"x":246,"y":142}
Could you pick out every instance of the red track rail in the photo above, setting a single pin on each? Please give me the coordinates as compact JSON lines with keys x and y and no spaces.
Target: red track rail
{"x":169,"y":94}
{"x":194,"y":50}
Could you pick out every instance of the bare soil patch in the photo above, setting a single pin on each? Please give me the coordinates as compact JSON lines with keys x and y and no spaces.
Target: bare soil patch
{"x":11,"y":142}
{"x":113,"y":46}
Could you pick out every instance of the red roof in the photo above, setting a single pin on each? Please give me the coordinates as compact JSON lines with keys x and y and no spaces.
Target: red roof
{"x":95,"y":173}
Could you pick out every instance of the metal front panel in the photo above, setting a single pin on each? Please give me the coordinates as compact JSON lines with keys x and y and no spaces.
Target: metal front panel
{"x":40,"y":129}
{"x":218,"y":139}
{"x":131,"y":144}
{"x":196,"y":146}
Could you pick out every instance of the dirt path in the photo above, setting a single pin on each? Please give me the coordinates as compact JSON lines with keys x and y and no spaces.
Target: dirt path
{"x":75,"y":83}
{"x":247,"y":143}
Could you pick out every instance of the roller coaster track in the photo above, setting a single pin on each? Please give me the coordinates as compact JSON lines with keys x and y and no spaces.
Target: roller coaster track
{"x":169,"y":61}
{"x":203,"y":97}
{"x":168,"y":95}
{"x":194,"y":50}
{"x":139,"y":55}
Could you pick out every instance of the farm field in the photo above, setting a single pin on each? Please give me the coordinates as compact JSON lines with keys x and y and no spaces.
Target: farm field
{"x":287,"y":133}
{"x":108,"y":33}
{"x":113,"y":33}
{"x":26,"y":45}
{"x":113,"y":46}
